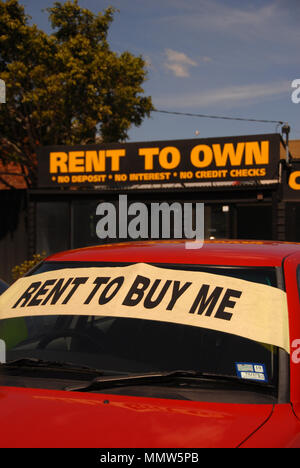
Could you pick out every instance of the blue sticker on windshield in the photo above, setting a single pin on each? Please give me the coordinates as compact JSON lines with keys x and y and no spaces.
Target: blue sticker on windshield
{"x":251,"y":371}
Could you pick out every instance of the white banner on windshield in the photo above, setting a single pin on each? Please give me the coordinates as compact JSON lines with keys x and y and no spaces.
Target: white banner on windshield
{"x":251,"y":310}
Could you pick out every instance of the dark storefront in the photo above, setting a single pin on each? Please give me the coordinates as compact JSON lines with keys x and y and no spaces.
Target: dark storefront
{"x":250,"y":186}
{"x":243,"y":182}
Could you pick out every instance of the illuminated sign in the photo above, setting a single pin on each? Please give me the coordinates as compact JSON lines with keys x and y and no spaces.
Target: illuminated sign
{"x":227,"y":159}
{"x":291,"y":182}
{"x":294,"y":180}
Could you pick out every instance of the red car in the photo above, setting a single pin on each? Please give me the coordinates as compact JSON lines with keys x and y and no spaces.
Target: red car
{"x":151,"y":344}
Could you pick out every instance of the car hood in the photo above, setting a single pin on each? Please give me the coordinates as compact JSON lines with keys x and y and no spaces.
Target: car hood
{"x":42,"y":418}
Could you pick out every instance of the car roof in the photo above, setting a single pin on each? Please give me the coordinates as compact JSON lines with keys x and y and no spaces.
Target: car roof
{"x":219,"y":252}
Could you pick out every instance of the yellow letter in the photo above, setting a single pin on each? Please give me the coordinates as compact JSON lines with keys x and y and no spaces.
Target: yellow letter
{"x":148,"y":153}
{"x":293,"y":180}
{"x":115,"y":156}
{"x":76,"y":161}
{"x":235,"y":157}
{"x":207,"y":156}
{"x":95,"y":161}
{"x":58,"y":162}
{"x":259,"y":154}
{"x":175,"y":157}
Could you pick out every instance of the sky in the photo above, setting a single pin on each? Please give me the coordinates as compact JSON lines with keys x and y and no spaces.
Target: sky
{"x":211,"y":57}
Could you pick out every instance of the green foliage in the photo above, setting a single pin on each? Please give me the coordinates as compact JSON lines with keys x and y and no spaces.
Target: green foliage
{"x":19,"y":270}
{"x":67,"y":87}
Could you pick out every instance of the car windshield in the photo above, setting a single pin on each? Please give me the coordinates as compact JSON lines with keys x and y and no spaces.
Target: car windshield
{"x":133,"y":346}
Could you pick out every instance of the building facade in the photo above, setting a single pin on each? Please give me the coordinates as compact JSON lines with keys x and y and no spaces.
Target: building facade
{"x":250,"y":187}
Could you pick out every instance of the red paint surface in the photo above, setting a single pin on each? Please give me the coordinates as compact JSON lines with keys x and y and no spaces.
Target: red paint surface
{"x":40,"y":418}
{"x":43,"y":418}
{"x":253,"y":253}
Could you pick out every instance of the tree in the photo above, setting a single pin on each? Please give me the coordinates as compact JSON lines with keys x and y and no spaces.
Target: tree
{"x":67,"y":87}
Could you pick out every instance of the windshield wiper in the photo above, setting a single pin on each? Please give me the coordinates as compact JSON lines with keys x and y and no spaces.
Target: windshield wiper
{"x":44,"y":364}
{"x":164,"y":377}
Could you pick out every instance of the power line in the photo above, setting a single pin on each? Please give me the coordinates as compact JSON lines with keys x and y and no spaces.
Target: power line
{"x":279,"y":122}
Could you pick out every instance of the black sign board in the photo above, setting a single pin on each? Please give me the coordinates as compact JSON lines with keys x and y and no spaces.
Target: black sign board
{"x":291,"y":182}
{"x":125,"y":165}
